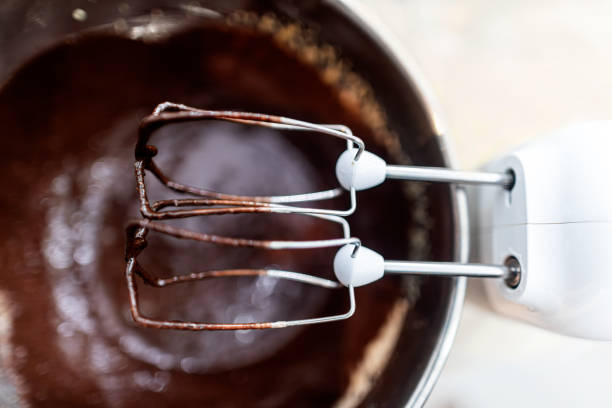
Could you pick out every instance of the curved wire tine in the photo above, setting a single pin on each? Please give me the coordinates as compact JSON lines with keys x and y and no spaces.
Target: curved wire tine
{"x":340,"y":131}
{"x":232,"y":206}
{"x":137,"y":231}
{"x":327,"y":319}
{"x":280,"y":199}
{"x":273,"y":121}
{"x":200,"y":326}
{"x":221,"y":207}
{"x":274,"y":273}
{"x":152,"y":210}
{"x":183,"y":233}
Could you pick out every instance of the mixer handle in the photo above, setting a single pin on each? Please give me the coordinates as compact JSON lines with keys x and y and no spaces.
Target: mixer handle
{"x":544,"y":234}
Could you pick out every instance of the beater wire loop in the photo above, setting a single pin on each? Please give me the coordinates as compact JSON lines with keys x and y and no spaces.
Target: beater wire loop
{"x":167,"y":113}
{"x":138,"y":230}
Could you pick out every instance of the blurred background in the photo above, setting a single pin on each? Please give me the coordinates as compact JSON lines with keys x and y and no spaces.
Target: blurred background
{"x":505,"y":72}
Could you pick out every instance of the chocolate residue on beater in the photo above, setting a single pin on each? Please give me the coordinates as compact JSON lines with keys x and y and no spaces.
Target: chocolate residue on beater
{"x":72,"y":114}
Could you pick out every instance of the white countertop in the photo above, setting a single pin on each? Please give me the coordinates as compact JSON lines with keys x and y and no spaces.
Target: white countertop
{"x":505,"y":72}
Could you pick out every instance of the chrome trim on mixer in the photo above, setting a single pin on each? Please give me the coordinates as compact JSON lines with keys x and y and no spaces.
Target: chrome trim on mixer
{"x":468,"y":270}
{"x":444,"y":175}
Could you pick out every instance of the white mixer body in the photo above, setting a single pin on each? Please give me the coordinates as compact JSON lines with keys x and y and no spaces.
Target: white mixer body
{"x":557,"y":221}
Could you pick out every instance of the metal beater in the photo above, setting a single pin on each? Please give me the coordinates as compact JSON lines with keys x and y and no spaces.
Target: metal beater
{"x":354,"y":265}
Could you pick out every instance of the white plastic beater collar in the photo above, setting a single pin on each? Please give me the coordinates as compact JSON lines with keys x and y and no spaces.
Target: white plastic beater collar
{"x":366,"y":172}
{"x":358,"y":266}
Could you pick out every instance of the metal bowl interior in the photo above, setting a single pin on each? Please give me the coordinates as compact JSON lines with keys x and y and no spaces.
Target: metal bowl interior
{"x":429,"y":325}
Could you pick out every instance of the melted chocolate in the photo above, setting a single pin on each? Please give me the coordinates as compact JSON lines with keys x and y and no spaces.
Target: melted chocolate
{"x":70,"y":119}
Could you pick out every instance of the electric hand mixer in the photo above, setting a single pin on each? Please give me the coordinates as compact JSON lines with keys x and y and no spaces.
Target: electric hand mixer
{"x":543,"y":219}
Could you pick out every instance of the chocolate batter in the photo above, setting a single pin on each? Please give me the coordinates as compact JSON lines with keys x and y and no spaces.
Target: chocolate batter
{"x":69,"y":119}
